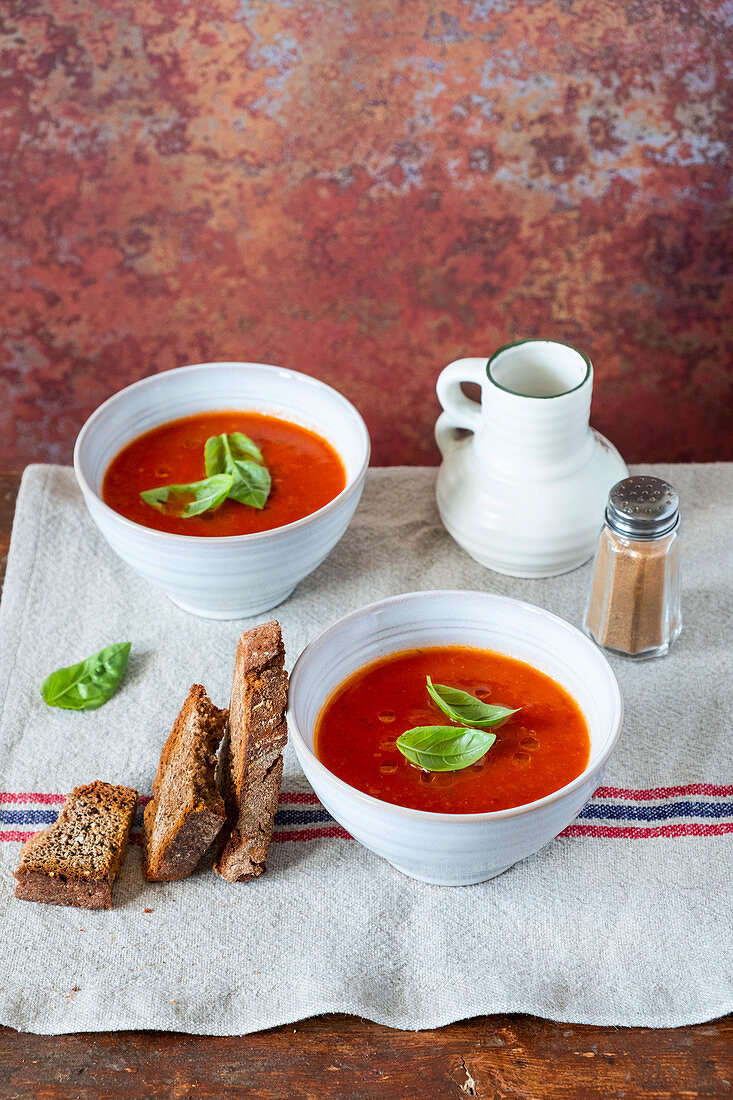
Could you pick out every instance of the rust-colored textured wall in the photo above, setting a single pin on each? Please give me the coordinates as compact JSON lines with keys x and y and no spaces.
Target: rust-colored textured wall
{"x":365,"y":190}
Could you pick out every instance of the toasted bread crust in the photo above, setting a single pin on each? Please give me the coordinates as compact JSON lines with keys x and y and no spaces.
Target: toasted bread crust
{"x":250,"y":765}
{"x":186,"y":811}
{"x":75,"y":863}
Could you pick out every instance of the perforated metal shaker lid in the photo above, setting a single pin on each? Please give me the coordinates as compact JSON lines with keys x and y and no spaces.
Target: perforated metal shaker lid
{"x":643,"y":507}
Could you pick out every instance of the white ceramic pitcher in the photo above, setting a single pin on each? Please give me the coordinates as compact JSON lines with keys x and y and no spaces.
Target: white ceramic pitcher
{"x":525,"y":493}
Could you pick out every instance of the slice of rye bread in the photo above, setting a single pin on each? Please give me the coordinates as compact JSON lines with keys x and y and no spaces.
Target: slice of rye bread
{"x":250,"y":762}
{"x":186,"y":811}
{"x":77,"y":859}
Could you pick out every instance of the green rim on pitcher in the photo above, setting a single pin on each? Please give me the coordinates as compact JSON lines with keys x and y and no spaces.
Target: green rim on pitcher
{"x":538,"y":396}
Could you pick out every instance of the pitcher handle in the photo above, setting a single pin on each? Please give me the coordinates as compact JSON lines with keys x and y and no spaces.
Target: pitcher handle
{"x":459,"y":411}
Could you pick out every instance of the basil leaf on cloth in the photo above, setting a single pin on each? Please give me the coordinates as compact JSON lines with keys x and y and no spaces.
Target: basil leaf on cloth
{"x":444,"y":748}
{"x":192,"y":499}
{"x":90,"y":683}
{"x":236,"y":454}
{"x":462,"y":707}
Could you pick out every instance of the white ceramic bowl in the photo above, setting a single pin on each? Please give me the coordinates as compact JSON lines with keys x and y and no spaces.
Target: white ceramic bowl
{"x":238,"y":575}
{"x":454,"y":849}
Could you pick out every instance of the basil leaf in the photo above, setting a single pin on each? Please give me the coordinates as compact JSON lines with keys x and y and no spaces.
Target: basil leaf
{"x":214,"y":455}
{"x":236,"y":454}
{"x":467,"y":709}
{"x":236,"y":444}
{"x":206,"y":494}
{"x":252,"y":484}
{"x":444,"y":748}
{"x":89,"y":684}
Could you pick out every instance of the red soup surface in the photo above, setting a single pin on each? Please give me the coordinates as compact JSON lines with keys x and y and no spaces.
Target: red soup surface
{"x":306,"y":473}
{"x":536,"y":751}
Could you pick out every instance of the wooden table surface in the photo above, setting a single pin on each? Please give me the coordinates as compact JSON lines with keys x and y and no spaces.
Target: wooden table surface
{"x":350,"y":1058}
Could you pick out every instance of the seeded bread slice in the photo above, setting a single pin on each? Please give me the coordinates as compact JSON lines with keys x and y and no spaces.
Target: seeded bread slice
{"x":77,"y":859}
{"x":250,"y":762}
{"x":186,"y":811}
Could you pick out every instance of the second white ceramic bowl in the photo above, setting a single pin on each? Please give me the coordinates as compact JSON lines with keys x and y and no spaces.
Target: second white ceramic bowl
{"x":239,"y":575}
{"x":454,"y":849}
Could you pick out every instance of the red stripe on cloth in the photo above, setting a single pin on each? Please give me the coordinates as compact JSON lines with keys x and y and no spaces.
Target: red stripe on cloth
{"x":46,"y":799}
{"x":599,"y":831}
{"x":16,"y":835}
{"x":302,"y":798}
{"x":329,"y":831}
{"x":663,"y":792}
{"x":646,"y":833}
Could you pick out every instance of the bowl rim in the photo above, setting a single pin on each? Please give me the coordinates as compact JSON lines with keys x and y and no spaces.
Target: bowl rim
{"x":228,"y":540}
{"x":588,"y":773}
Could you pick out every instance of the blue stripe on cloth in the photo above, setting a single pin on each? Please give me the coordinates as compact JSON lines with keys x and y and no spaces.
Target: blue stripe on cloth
{"x":598,"y":811}
{"x":594,"y":811}
{"x":601,"y":811}
{"x":40,"y":817}
{"x":28,"y":817}
{"x":303,"y":817}
{"x":284,"y":818}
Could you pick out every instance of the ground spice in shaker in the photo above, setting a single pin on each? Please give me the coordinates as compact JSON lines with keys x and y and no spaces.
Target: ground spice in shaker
{"x":634,"y":604}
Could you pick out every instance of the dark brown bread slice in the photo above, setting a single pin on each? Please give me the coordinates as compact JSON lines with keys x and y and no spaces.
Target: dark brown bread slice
{"x":186,"y":811}
{"x":77,"y":859}
{"x":250,"y":762}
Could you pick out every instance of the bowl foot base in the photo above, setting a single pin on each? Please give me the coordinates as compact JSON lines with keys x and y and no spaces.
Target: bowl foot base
{"x":236,"y":611}
{"x":456,"y":880}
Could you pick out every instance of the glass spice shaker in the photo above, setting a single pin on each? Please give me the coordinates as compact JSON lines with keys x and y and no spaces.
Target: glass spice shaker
{"x":634,"y":604}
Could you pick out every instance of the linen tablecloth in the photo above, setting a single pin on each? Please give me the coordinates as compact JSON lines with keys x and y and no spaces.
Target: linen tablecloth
{"x":625,"y":919}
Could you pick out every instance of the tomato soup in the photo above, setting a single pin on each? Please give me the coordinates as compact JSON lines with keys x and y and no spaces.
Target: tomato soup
{"x":306,"y":473}
{"x":536,"y":751}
